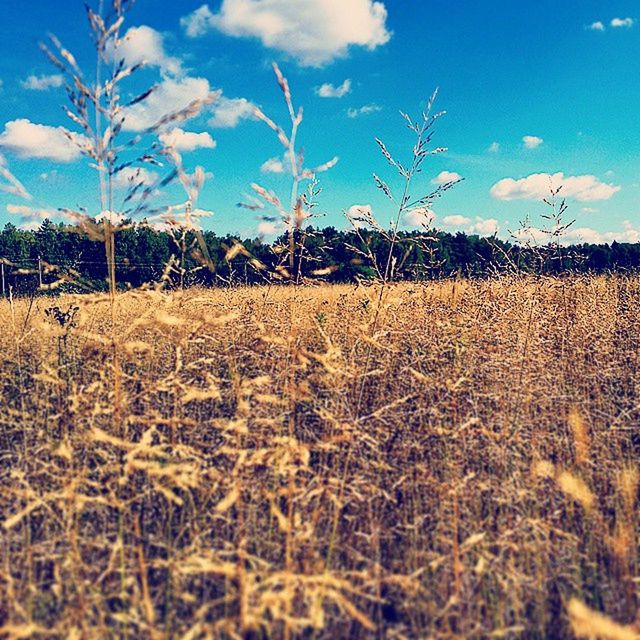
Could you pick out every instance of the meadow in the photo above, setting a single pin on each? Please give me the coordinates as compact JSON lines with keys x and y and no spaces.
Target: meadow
{"x":429,"y":460}
{"x":452,"y":458}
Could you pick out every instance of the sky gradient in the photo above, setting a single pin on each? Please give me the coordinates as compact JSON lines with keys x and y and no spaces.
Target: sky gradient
{"x":531,"y":90}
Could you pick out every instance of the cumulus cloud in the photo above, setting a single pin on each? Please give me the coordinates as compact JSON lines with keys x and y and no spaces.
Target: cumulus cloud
{"x":42,"y":83}
{"x":480,"y":226}
{"x":32,"y":225}
{"x":198,"y":22}
{"x":585,"y":234}
{"x":530,"y":235}
{"x":532,"y":142}
{"x":182,"y":140}
{"x":144,"y":44}
{"x":363,"y":111}
{"x":494,"y":147}
{"x":360,"y":210}
{"x":327,"y":90}
{"x":30,"y":214}
{"x":575,"y":235}
{"x":629,"y":233}
{"x":618,"y":23}
{"x":456,"y":221}
{"x":273,"y":165}
{"x":268,"y":228}
{"x":228,"y":112}
{"x":484,"y":226}
{"x":314,"y":32}
{"x":113,"y":217}
{"x":29,"y":140}
{"x":446,"y":176}
{"x":169,"y":96}
{"x":418,"y":217}
{"x":131,"y":176}
{"x":174,"y":94}
{"x":360,"y":215}
{"x":585,"y":188}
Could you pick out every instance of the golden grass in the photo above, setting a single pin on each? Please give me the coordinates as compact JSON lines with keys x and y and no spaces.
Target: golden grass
{"x":275,"y":463}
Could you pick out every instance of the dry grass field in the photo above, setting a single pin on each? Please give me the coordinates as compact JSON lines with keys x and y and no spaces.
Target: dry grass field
{"x":459,"y":461}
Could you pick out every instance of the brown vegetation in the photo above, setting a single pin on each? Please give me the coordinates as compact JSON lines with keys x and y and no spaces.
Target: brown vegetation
{"x":443,"y":460}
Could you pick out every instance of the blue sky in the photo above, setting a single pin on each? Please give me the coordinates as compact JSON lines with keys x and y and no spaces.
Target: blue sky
{"x":530,"y":89}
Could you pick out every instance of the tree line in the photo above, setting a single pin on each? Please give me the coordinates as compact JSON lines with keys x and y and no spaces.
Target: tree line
{"x":62,"y":258}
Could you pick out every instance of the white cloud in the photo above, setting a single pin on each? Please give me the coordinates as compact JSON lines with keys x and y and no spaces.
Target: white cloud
{"x":494,"y":147}
{"x":181,"y":140}
{"x":327,"y":90}
{"x":363,"y":111}
{"x":30,"y":214}
{"x":360,"y":215}
{"x":144,"y":44}
{"x":268,"y":228}
{"x":198,"y":22}
{"x":9,"y":183}
{"x":360,"y":210}
{"x":131,"y":176}
{"x":228,"y":112}
{"x":585,"y":188}
{"x":29,"y":140}
{"x":576,"y":235}
{"x":272,"y":165}
{"x":530,"y":235}
{"x":629,"y":233}
{"x":50,"y":176}
{"x":484,"y":226}
{"x":480,"y":226}
{"x":314,"y":32}
{"x":617,"y":23}
{"x":53,"y":178}
{"x":175,"y":94}
{"x":169,"y":96}
{"x":456,"y":221}
{"x":584,"y":234}
{"x":532,"y":142}
{"x":32,"y":225}
{"x":113,"y":217}
{"x":596,"y":26}
{"x":589,"y":210}
{"x":446,"y":176}
{"x":42,"y":83}
{"x":418,"y":217}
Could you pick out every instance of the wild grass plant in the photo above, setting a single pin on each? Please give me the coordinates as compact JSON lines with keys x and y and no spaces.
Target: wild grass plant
{"x":298,"y":211}
{"x":96,"y":107}
{"x":402,"y":197}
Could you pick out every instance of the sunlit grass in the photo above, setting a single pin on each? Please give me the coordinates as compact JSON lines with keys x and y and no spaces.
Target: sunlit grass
{"x":270,"y":462}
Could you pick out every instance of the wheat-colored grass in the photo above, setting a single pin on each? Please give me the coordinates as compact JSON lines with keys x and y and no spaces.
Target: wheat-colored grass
{"x":274,"y":463}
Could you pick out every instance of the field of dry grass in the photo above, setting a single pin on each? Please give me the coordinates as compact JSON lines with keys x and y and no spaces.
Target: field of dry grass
{"x":457,"y":462}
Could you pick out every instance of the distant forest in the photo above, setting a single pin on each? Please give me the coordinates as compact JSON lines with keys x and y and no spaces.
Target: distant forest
{"x":57,"y":257}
